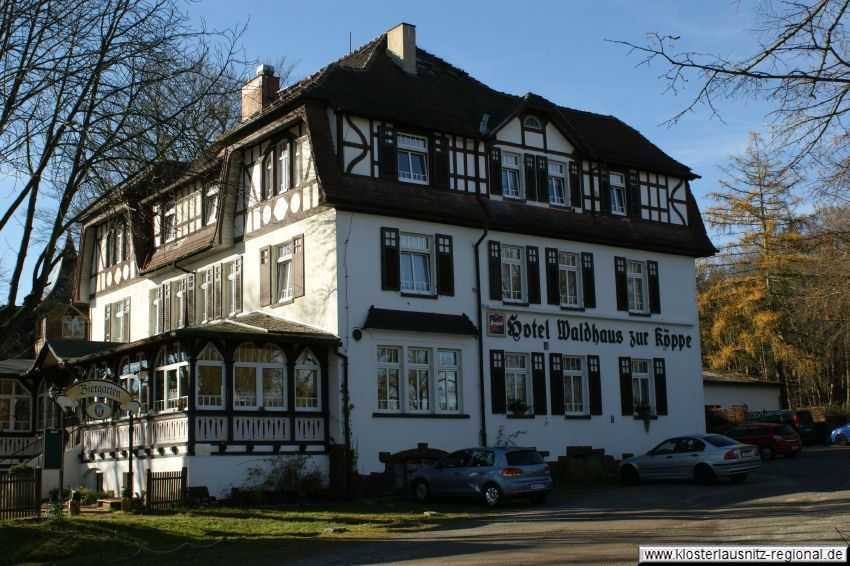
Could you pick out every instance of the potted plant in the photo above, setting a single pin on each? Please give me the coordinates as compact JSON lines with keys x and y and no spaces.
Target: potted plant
{"x":518,"y":408}
{"x":126,"y":499}
{"x":644,"y":412}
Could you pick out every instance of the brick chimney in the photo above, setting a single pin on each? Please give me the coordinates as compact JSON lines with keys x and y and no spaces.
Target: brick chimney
{"x":401,"y":47}
{"x":259,"y":92}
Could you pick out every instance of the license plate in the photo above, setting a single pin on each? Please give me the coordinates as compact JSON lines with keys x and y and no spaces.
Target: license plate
{"x":537,"y":486}
{"x":746,"y":452}
{"x":795,"y":447}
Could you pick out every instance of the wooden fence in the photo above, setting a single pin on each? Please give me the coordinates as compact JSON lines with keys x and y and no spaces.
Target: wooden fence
{"x":20,"y":495}
{"x":165,"y":489}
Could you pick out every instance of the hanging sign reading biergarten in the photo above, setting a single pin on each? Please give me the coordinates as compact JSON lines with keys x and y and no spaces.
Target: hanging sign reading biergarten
{"x":97,"y":389}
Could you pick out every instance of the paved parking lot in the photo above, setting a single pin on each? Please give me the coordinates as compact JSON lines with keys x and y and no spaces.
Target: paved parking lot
{"x":790,"y":502}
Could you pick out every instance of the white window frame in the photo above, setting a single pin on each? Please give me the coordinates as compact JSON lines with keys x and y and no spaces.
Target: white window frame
{"x":210,"y":195}
{"x":283,"y":282}
{"x":229,"y":273}
{"x":407,"y":146}
{"x":642,"y":384}
{"x":515,"y":392}
{"x":308,"y":363}
{"x":575,"y":385}
{"x":557,"y":172}
{"x":409,"y":252}
{"x":116,"y":321}
{"x":73,"y":327}
{"x":13,"y":393}
{"x":387,"y":371}
{"x":259,"y":400}
{"x":180,"y":400}
{"x":511,"y":169}
{"x":49,"y":412}
{"x":284,"y":171}
{"x":447,"y":389}
{"x":417,"y":402}
{"x":401,"y":382}
{"x":134,"y":378}
{"x":617,"y":190}
{"x":297,"y":166}
{"x":565,"y":268}
{"x":533,"y":123}
{"x":637,"y":286}
{"x":210,"y":357}
{"x":169,"y":222}
{"x":514,"y":268}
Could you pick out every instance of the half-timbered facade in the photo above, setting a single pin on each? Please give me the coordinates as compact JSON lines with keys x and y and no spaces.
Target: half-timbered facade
{"x":391,"y":253}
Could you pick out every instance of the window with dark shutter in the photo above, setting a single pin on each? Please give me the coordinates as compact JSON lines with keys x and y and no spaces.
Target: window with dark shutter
{"x":660,"y":386}
{"x":125,"y":321}
{"x":166,"y":306}
{"x":538,"y":382}
{"x":532,"y":270}
{"x":495,"y":171}
{"x":575,"y":186}
{"x":387,"y":153}
{"x":588,"y":280}
{"x":553,"y":293}
{"x":620,"y":281}
{"x":556,"y":383}
{"x":190,"y":299}
{"x":160,"y":309}
{"x":497,"y":381}
{"x":634,"y":195}
{"x":298,"y":266}
{"x":440,"y":161}
{"x":445,"y":265}
{"x":237,"y":285}
{"x":494,"y":256}
{"x":530,"y":167}
{"x":181,"y":303}
{"x":594,"y":385}
{"x":265,"y":276}
{"x":107,"y":323}
{"x":604,"y":190}
{"x":626,"y":400}
{"x":654,"y":289}
{"x":217,"y":291}
{"x":542,"y":178}
{"x":390,"y":277}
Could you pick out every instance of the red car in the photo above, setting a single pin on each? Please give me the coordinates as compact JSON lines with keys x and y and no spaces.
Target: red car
{"x":771,"y":438}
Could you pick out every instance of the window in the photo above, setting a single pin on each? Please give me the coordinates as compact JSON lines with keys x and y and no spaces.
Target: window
{"x":49,"y":413}
{"x":573,"y":385}
{"x":512,"y":280}
{"x":15,"y":406}
{"x":416,"y":264}
{"x":169,"y":222}
{"x":231,"y":287}
{"x":296,"y":163}
{"x":171,"y":372}
{"x":110,"y":245}
{"x":640,"y":385}
{"x":516,"y":382}
{"x":412,"y":160}
{"x":306,"y":381}
{"x":73,"y":328}
{"x":532,"y":123}
{"x":617,"y":187}
{"x":207,"y":294}
{"x":209,"y":374}
{"x":210,"y":204}
{"x":557,"y":184}
{"x":116,"y":323}
{"x":283,"y":272}
{"x":510,"y":175}
{"x":284,"y":169}
{"x":432,"y":379}
{"x":636,"y":286}
{"x":134,"y":378}
{"x":259,"y":377}
{"x":267,"y":186}
{"x":568,"y":280}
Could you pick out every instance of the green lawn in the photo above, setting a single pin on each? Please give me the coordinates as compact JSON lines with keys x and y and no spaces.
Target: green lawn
{"x":236,"y":535}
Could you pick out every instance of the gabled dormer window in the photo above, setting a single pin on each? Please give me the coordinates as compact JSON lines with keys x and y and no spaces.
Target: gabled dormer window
{"x":617,"y":186}
{"x":412,"y":159}
{"x":510,"y":175}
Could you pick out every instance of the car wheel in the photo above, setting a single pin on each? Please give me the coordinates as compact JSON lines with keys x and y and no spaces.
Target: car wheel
{"x":492,"y":495}
{"x":767,"y":453}
{"x":538,"y":498}
{"x":421,"y":491}
{"x":629,"y":475}
{"x":841,"y":440}
{"x":738,"y":478}
{"x":704,"y":475}
{"x":790,"y":455}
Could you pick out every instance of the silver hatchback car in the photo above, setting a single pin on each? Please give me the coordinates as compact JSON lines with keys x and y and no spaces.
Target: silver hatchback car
{"x":492,"y":474}
{"x":701,"y":457}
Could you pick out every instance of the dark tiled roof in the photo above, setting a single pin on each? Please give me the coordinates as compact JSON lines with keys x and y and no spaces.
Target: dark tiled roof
{"x":726,"y":378}
{"x":14,"y":368}
{"x":389,"y":319}
{"x":180,"y":248}
{"x":284,"y":326}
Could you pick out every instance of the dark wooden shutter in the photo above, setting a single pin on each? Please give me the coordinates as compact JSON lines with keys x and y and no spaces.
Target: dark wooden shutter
{"x":532,"y":270}
{"x":390,"y":259}
{"x":387,"y":159}
{"x":620,"y":281}
{"x":209,"y":294}
{"x":530,"y":171}
{"x":497,"y":381}
{"x":107,"y":323}
{"x":542,"y":179}
{"x":445,"y":265}
{"x":626,"y":402}
{"x":237,"y":285}
{"x":494,"y":254}
{"x":575,"y":186}
{"x":125,"y":320}
{"x":190,"y":299}
{"x":633,"y":194}
{"x":553,"y":288}
{"x":588,"y":280}
{"x":654,"y":289}
{"x":604,"y":189}
{"x":495,"y":171}
{"x":298,"y":266}
{"x":265,"y":276}
{"x":439,"y":161}
{"x":594,"y":385}
{"x":660,"y":386}
{"x":181,"y":301}
{"x":217,"y":292}
{"x":160,"y":309}
{"x":166,"y":306}
{"x":538,"y":382}
{"x":556,"y":383}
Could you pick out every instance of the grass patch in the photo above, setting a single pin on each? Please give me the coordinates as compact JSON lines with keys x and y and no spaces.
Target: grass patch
{"x":237,"y":535}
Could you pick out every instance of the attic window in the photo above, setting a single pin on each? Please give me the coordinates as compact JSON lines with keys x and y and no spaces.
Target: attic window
{"x":532,"y":123}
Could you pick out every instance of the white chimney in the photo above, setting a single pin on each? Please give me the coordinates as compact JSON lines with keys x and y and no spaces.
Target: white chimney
{"x":401,"y":47}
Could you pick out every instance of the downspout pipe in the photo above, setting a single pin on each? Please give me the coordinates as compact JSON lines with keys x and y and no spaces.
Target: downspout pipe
{"x":346,"y":423}
{"x":482,"y":401}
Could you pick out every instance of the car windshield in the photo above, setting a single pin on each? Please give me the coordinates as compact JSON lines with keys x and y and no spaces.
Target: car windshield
{"x":785,"y":429}
{"x":523,"y":458}
{"x":718,"y":440}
